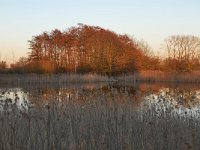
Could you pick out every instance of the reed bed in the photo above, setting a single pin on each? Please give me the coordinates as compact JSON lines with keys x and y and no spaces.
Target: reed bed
{"x":95,"y":121}
{"x":14,"y":79}
{"x":160,"y":76}
{"x":142,"y":76}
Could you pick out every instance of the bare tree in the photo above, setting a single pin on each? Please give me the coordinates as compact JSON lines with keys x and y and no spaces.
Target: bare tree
{"x":183,"y":52}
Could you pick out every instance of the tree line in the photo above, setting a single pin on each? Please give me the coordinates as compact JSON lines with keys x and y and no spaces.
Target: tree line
{"x":92,"y":49}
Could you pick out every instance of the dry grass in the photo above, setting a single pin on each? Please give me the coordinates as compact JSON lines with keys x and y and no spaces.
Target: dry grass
{"x":95,"y":121}
{"x":152,"y":76}
{"x":160,"y":76}
{"x":143,"y":76}
{"x":52,"y":78}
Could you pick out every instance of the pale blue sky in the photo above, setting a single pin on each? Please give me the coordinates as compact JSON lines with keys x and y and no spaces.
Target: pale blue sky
{"x":151,"y":20}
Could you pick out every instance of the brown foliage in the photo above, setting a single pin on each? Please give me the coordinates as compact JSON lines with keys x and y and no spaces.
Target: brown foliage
{"x":3,"y":66}
{"x":85,"y":49}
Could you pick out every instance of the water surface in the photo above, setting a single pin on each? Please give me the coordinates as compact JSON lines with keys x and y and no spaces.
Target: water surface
{"x":183,"y":99}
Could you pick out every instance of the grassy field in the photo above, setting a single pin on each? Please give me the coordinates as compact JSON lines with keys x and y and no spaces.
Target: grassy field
{"x":95,"y":121}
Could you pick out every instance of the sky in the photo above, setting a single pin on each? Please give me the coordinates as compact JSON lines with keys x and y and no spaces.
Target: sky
{"x":150,"y":20}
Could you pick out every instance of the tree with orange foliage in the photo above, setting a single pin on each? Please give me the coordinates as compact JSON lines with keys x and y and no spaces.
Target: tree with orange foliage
{"x":86,"y":49}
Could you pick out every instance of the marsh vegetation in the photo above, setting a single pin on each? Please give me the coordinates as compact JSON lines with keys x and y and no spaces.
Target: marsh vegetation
{"x":100,"y":116}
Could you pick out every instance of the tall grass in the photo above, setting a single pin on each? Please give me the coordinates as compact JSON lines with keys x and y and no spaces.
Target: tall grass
{"x":52,"y":78}
{"x":160,"y":76}
{"x":95,"y":121}
{"x":142,"y":76}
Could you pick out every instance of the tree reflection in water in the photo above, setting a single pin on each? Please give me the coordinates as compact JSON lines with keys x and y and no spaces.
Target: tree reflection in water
{"x":182,"y":96}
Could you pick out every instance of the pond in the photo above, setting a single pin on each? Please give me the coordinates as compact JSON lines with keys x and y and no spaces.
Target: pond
{"x":103,"y":115}
{"x":181,"y":98}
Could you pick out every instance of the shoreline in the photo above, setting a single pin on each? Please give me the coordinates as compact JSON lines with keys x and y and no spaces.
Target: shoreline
{"x":142,"y":77}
